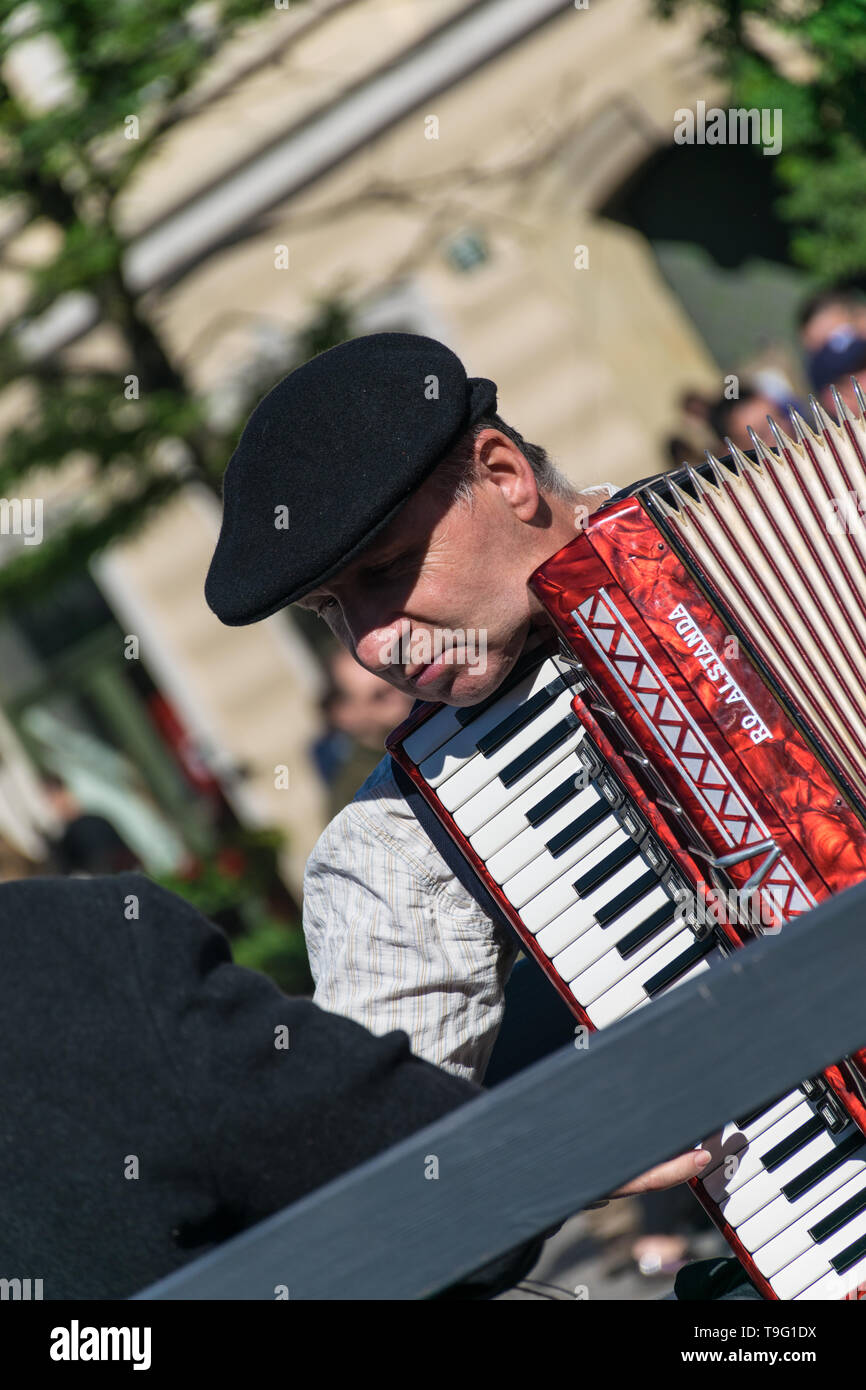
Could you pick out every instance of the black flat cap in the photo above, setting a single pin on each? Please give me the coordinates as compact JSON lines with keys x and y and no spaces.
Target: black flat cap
{"x":342,"y":443}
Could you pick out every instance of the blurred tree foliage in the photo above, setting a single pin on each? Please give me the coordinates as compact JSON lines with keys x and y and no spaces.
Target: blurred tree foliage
{"x":808,"y":59}
{"x":65,"y":160}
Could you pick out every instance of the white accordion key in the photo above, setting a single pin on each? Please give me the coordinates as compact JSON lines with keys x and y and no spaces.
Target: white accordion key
{"x":496,"y":816}
{"x":463,"y":744}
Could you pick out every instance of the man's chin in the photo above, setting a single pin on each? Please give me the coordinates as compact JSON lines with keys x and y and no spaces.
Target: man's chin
{"x":466,"y":685}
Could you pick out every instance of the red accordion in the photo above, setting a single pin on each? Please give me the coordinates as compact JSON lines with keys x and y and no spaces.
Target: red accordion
{"x":686,"y":770}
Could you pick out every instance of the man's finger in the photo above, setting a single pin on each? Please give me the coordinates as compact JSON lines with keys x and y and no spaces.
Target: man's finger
{"x":668,"y":1174}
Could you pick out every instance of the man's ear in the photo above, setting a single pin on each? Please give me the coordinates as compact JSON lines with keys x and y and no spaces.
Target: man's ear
{"x":509,"y":470}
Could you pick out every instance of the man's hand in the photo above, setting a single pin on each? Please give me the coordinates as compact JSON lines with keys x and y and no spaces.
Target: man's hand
{"x":668,"y":1174}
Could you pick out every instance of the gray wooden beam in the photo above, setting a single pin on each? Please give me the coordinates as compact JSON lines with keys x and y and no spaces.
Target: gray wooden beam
{"x":538,"y":1148}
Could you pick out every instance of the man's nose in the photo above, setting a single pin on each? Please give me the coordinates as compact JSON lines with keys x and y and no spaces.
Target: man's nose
{"x":384,"y":648}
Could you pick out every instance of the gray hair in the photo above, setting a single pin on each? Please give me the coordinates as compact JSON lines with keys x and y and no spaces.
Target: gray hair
{"x":459,"y":471}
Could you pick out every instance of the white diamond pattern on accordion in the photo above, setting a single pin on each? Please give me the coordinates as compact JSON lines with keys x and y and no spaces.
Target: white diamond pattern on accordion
{"x":684,"y":742}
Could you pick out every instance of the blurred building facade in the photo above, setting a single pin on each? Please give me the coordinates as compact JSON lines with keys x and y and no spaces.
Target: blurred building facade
{"x":441,"y":167}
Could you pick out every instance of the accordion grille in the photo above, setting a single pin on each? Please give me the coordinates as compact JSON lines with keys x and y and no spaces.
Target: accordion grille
{"x":782,"y":543}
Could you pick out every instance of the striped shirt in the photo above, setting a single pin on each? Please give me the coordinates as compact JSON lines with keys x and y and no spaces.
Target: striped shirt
{"x":396,"y":941}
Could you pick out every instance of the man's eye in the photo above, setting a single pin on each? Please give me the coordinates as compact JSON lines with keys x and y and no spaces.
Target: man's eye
{"x":324,"y":606}
{"x":391,"y":567}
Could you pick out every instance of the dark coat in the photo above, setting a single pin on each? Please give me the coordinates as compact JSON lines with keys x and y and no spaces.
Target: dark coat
{"x":145,"y":1111}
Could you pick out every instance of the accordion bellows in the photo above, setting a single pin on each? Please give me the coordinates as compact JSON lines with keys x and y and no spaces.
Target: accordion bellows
{"x":782,"y":544}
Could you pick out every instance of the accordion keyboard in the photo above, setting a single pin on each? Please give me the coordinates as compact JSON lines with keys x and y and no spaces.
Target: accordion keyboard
{"x":796,"y":1195}
{"x":601,"y":908}
{"x":600,"y":901}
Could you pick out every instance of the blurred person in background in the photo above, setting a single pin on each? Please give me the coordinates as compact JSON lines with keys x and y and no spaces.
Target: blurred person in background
{"x":692,"y":433}
{"x":832,"y":326}
{"x":695,"y":408}
{"x":827,"y":313}
{"x":360,"y":709}
{"x":681,"y":451}
{"x":705,"y":423}
{"x":842,"y":357}
{"x":85,"y":843}
{"x":732,"y":419}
